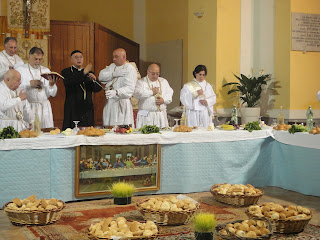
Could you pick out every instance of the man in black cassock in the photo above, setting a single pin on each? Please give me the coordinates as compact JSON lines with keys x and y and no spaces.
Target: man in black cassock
{"x":79,"y":83}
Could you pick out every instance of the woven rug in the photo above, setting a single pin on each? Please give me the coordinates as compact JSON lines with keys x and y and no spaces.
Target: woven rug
{"x":78,"y":216}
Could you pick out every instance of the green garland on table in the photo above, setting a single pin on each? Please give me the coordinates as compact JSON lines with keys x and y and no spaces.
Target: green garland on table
{"x":8,"y":132}
{"x":297,"y":128}
{"x":147,"y":129}
{"x":250,"y":126}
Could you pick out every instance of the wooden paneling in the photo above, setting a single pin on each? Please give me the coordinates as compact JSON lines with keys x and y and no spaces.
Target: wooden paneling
{"x":97,"y":44}
{"x":66,"y":37}
{"x":3,"y":27}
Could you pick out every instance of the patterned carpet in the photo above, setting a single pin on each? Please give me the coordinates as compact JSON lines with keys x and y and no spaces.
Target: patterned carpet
{"x":78,"y":216}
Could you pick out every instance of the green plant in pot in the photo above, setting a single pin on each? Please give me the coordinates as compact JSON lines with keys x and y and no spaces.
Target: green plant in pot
{"x":250,"y":89}
{"x":204,"y":224}
{"x":122,"y":192}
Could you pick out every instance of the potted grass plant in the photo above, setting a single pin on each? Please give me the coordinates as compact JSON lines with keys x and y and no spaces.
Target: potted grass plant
{"x":204,"y":224}
{"x":122,"y":192}
{"x":250,"y":89}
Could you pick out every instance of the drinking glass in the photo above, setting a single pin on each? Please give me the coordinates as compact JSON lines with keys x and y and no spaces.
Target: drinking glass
{"x":176,"y":122}
{"x":76,"y":129}
{"x":274,"y":122}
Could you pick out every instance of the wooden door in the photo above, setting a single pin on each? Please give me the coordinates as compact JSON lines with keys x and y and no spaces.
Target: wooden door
{"x":66,"y":37}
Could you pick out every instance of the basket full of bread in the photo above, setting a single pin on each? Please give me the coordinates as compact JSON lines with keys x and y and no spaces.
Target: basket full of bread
{"x":284,"y":219}
{"x":245,"y":230}
{"x":33,"y":211}
{"x":237,"y":194}
{"x":168,"y":211}
{"x":121,"y":228}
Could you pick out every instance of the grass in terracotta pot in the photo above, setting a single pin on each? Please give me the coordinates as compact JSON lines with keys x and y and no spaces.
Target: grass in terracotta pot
{"x":204,"y":224}
{"x":122,"y":192}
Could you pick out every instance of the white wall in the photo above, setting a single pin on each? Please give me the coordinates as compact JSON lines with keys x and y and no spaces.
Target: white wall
{"x":257,"y":43}
{"x":139,"y":27}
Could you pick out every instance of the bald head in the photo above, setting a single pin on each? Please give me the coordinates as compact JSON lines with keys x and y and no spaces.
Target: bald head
{"x":12,"y":79}
{"x":153,"y":72}
{"x":119,"y":56}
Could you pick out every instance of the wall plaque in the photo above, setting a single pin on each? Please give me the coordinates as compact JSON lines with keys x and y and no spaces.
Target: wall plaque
{"x":305,"y":32}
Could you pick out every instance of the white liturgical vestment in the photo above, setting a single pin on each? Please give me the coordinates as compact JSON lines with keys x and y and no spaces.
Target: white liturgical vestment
{"x":10,"y":105}
{"x":38,"y":98}
{"x":149,"y":113}
{"x":197,"y":114}
{"x":118,"y":110}
{"x":7,"y":61}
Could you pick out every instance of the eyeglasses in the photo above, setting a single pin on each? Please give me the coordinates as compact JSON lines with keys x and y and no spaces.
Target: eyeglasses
{"x":154,"y":73}
{"x":78,"y":57}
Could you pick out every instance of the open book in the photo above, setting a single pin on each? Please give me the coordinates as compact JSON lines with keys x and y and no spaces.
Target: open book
{"x":52,"y":75}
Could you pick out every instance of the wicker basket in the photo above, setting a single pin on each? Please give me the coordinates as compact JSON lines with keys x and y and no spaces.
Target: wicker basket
{"x":33,"y":217}
{"x":139,"y":237}
{"x":219,"y":236}
{"x":91,"y":236}
{"x":167,"y":217}
{"x":233,"y":236}
{"x":236,"y":200}
{"x":286,"y":226}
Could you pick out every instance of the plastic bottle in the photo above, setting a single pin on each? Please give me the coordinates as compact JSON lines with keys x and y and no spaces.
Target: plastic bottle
{"x":309,"y":119}
{"x":280,"y":119}
{"x":234,"y":114}
{"x":183,"y":120}
{"x":36,"y":123}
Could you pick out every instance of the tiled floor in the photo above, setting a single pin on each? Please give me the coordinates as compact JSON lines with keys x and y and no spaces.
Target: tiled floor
{"x":274,"y":194}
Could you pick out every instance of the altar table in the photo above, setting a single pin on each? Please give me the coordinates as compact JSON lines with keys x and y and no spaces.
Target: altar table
{"x":190,"y":162}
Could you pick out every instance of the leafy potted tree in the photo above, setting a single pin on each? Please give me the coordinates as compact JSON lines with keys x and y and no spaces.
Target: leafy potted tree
{"x":122,"y":192}
{"x":250,"y":89}
{"x":204,"y":224}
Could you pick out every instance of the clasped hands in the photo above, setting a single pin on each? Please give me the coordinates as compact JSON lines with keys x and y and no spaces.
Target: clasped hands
{"x":159,"y":99}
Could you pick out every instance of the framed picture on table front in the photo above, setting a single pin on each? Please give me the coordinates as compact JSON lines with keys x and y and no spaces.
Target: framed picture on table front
{"x":98,"y":167}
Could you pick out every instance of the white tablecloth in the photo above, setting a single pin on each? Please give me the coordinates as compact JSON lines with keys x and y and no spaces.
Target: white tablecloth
{"x":302,"y":139}
{"x":46,"y":141}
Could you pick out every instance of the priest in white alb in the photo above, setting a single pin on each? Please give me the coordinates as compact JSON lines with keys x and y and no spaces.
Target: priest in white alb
{"x":38,"y":88}
{"x":154,"y":94}
{"x":8,"y":57}
{"x":198,"y":98}
{"x":120,"y":79}
{"x":14,"y":108}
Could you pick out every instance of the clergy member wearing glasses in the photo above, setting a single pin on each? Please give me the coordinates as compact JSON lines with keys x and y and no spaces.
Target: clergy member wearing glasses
{"x":154,"y":94}
{"x":79,"y":84}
